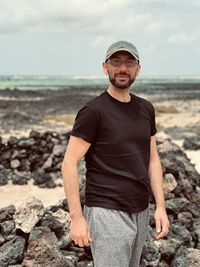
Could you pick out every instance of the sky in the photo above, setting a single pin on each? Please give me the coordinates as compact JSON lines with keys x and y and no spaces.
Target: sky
{"x":70,"y":37}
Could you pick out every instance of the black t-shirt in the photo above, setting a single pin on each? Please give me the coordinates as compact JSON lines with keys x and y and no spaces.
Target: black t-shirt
{"x":118,"y":158}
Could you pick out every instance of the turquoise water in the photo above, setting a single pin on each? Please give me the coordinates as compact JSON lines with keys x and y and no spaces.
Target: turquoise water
{"x":47,"y":82}
{"x":59,"y":82}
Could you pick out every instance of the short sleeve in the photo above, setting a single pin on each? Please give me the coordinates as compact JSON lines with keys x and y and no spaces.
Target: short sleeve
{"x":153,"y":121}
{"x":86,"y":124}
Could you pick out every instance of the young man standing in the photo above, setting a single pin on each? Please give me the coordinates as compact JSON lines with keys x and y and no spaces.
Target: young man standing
{"x":116,"y":133}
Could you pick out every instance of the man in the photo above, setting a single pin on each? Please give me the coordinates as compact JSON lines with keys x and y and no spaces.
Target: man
{"x":116,"y":134}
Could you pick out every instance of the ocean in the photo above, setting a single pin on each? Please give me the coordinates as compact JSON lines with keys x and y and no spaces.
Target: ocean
{"x":53,"y":82}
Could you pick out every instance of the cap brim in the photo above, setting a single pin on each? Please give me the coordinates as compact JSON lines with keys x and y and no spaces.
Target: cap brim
{"x":122,"y":49}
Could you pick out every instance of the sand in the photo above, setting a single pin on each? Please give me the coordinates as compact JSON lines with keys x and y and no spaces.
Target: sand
{"x":16,"y":194}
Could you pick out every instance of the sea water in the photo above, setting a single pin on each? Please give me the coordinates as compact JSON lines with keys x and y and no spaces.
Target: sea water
{"x":53,"y":82}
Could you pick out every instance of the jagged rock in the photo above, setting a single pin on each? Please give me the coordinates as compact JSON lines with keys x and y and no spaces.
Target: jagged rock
{"x":8,"y":229}
{"x":26,"y":142}
{"x":84,"y":255}
{"x":41,"y":177}
{"x":35,"y":161}
{"x":71,"y":256}
{"x":34,"y":134}
{"x":196,"y":232}
{"x":151,"y":250}
{"x":15,"y":163}
{"x":193,"y":208}
{"x":187,"y":257}
{"x":53,"y":224}
{"x":192,"y":143}
{"x":12,"y":141}
{"x":175,"y":161}
{"x":185,"y":218}
{"x":12,"y":251}
{"x":28,"y":214}
{"x":48,"y":163}
{"x":2,"y":239}
{"x":20,"y":180}
{"x":6,"y":156}
{"x":49,"y":184}
{"x":25,"y":165}
{"x":59,"y":150}
{"x":56,"y":175}
{"x":63,"y":217}
{"x":43,"y":250}
{"x":25,"y":174}
{"x":62,"y":204}
{"x":1,"y":167}
{"x":176,"y":205}
{"x":170,"y":183}
{"x":168,"y":248}
{"x":7,"y":213}
{"x":3,"y":179}
{"x":65,"y":241}
{"x":180,"y":233}
{"x":19,"y":154}
{"x":57,"y":162}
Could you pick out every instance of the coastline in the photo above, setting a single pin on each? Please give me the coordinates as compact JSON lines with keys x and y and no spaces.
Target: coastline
{"x":34,"y":131}
{"x":177,"y":116}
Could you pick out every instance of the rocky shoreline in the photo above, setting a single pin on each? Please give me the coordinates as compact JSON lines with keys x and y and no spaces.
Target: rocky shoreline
{"x":23,"y":110}
{"x":35,"y":126}
{"x":32,"y":235}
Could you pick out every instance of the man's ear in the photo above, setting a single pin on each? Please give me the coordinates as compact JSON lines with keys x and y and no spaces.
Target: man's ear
{"x":138,"y":69}
{"x":105,"y":68}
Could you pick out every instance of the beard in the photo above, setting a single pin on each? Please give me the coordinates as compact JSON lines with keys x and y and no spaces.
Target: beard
{"x":121,"y":85}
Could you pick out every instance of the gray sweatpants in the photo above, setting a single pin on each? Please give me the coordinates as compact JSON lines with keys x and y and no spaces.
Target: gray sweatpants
{"x":118,"y":237}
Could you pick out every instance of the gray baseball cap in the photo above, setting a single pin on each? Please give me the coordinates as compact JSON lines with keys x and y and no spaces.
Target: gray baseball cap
{"x":122,"y":46}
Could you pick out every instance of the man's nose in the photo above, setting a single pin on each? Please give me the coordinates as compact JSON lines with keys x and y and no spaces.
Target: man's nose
{"x":123,"y":66}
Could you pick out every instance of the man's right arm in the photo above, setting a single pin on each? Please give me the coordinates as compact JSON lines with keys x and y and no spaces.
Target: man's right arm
{"x":76,"y":149}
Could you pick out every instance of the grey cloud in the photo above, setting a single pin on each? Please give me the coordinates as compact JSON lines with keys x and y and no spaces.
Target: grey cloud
{"x":88,"y":26}
{"x":93,"y":16}
{"x":43,"y":14}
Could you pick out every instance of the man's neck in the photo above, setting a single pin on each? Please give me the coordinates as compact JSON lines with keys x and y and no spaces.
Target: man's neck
{"x":122,"y":95}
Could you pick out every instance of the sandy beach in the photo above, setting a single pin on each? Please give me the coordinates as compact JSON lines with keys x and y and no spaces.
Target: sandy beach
{"x":16,"y":194}
{"x":177,"y":116}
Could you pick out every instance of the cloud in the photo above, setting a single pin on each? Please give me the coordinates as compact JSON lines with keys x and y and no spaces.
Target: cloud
{"x":62,"y":30}
{"x":183,"y":38}
{"x":61,"y":14}
{"x":107,"y":18}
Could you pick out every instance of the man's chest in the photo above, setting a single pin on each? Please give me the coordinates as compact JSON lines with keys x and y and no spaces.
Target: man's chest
{"x":124,"y":127}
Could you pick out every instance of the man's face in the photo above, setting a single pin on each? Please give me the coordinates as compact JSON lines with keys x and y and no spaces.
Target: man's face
{"x":122,"y":69}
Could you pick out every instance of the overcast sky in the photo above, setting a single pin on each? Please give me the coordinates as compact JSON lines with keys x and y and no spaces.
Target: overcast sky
{"x":70,"y":37}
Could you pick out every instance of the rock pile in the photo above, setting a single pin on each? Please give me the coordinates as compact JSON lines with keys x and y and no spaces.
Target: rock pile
{"x":35,"y":236}
{"x":181,"y":248}
{"x":37,"y":157}
{"x":192,"y":143}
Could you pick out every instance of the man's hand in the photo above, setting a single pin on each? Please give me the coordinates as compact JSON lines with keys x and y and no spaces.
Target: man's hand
{"x":79,"y":231}
{"x":162,"y":223}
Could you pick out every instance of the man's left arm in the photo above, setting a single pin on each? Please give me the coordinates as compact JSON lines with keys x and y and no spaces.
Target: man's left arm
{"x":156,"y":182}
